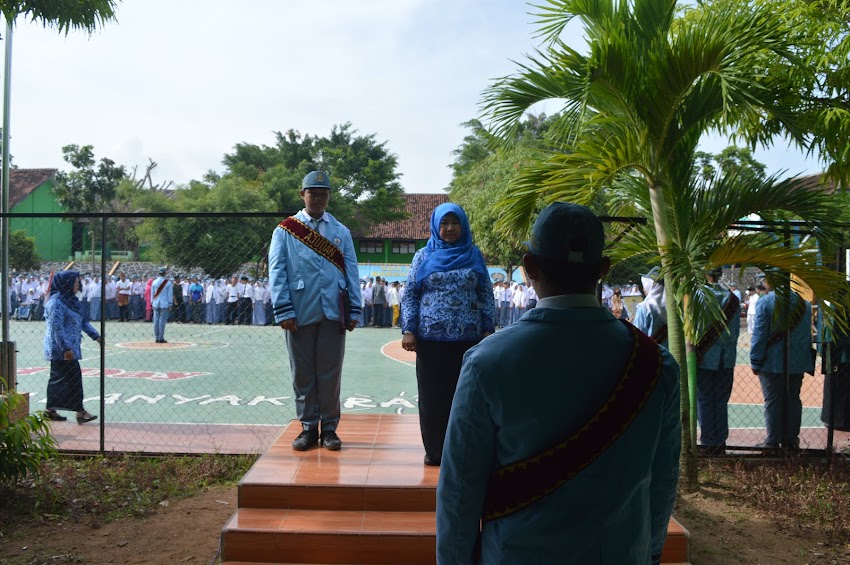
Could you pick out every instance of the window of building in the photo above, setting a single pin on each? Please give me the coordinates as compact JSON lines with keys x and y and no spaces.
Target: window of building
{"x":404,"y":247}
{"x":371,"y":246}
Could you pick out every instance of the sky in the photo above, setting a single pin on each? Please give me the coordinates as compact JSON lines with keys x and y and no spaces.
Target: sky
{"x":181,"y":82}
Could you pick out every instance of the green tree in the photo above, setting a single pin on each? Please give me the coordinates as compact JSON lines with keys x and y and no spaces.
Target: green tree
{"x":219,"y":246}
{"x":635,"y":108}
{"x":91,"y":187}
{"x":92,"y":184}
{"x":483,"y":170}
{"x":22,"y":253}
{"x":366,"y":187}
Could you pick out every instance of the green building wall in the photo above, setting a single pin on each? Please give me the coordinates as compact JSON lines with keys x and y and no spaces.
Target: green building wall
{"x":386,"y":256}
{"x":52,"y":235}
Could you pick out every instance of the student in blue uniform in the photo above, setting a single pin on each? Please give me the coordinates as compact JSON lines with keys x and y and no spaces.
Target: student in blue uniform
{"x":716,"y":357}
{"x":609,"y":495}
{"x":162,"y":298}
{"x":783,"y":408}
{"x":315,"y":292}
{"x":651,"y":314}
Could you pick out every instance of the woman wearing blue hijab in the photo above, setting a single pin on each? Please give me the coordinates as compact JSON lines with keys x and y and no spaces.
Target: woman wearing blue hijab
{"x":447,"y":307}
{"x":62,"y":347}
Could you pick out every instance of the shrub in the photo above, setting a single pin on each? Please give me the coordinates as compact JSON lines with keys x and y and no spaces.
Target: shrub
{"x":25,"y":443}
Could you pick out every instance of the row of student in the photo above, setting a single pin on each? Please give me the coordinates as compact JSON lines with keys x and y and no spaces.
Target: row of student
{"x":381,"y":302}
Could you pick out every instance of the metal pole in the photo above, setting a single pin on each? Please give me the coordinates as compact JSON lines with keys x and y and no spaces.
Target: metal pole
{"x":102,"y":334}
{"x":7,"y":351}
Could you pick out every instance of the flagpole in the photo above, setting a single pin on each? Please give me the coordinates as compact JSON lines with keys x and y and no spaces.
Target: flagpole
{"x":7,"y":348}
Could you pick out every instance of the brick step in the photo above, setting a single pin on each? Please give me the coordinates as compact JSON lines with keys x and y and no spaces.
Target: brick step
{"x":372,"y":502}
{"x":329,"y":536}
{"x":343,"y":536}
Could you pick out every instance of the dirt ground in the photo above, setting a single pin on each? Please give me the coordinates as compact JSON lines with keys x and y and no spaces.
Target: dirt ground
{"x":187,"y":531}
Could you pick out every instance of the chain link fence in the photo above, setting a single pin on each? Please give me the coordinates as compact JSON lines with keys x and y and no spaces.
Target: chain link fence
{"x":222,"y":383}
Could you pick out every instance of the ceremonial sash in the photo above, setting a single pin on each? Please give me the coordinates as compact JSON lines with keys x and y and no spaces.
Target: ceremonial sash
{"x":659,"y":336}
{"x":713,"y":333}
{"x":520,"y":484}
{"x":796,"y":317}
{"x":325,"y":248}
{"x":315,"y":241}
{"x":160,"y":287}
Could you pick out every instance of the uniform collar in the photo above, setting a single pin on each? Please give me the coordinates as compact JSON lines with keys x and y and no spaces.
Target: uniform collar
{"x":569,"y":301}
{"x":307,"y":218}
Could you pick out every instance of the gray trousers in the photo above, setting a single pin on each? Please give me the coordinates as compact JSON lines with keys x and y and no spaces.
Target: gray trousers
{"x":315,"y":357}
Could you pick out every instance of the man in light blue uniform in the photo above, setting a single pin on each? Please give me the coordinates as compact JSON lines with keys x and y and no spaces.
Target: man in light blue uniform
{"x":161,"y":299}
{"x":716,"y":357}
{"x":782,"y":406}
{"x":306,"y":293}
{"x":575,"y":353}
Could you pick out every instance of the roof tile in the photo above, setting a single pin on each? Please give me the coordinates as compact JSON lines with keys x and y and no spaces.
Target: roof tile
{"x":416,"y":226}
{"x":23,"y":181}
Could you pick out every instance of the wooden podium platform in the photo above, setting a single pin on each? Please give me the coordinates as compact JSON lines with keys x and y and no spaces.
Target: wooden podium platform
{"x":371,"y":502}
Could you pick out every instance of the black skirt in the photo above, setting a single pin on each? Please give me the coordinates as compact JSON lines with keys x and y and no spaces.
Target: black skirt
{"x":65,"y":387}
{"x":839,"y":398}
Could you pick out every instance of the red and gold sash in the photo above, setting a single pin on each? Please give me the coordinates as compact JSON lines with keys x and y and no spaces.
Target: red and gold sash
{"x":796,"y":317}
{"x":165,"y":281}
{"x":520,"y":484}
{"x":713,"y":333}
{"x":315,"y":241}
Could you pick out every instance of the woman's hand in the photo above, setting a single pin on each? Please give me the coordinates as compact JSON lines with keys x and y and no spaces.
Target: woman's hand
{"x":69,"y":355}
{"x":408,"y":342}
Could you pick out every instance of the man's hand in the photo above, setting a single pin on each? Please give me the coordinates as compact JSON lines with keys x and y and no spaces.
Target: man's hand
{"x":408,"y":342}
{"x":351,"y":325}
{"x":289,"y":325}
{"x":69,"y":355}
{"x":100,"y":341}
{"x":755,"y":371}
{"x":486,"y":334}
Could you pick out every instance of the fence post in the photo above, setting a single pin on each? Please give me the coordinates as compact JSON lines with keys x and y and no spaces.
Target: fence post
{"x":103,"y":316}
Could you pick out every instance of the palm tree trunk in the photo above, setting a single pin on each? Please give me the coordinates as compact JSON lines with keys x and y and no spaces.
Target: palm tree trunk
{"x":675,"y":336}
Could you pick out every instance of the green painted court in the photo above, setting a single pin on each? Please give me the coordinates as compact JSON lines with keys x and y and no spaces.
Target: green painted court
{"x":213,"y":379}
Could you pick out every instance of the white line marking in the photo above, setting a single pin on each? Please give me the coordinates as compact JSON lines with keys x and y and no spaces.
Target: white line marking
{"x":384,"y":353}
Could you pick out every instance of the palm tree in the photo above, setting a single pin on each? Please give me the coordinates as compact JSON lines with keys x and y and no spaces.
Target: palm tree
{"x":84,"y":15}
{"x":634,"y":111}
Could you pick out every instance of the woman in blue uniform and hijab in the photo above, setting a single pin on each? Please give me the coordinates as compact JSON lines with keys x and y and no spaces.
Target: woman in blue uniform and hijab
{"x":447,"y":308}
{"x":62,"y":347}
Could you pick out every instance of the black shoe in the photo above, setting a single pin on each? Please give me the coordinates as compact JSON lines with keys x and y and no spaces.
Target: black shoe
{"x":712,"y":450}
{"x":331,"y":441}
{"x":305,"y":440}
{"x":85,"y":417}
{"x":432,"y":461}
{"x":163,"y":341}
{"x":769,"y":449}
{"x":55,"y":416}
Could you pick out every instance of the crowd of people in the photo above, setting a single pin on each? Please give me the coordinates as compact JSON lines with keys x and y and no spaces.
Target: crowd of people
{"x":235,"y":301}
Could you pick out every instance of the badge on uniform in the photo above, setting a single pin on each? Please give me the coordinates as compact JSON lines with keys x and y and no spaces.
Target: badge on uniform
{"x":337,"y":241}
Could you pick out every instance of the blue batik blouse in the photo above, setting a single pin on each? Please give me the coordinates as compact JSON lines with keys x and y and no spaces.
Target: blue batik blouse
{"x":454,"y":305}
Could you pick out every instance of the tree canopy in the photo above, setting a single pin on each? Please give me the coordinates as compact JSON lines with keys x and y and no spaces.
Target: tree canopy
{"x":78,"y":15}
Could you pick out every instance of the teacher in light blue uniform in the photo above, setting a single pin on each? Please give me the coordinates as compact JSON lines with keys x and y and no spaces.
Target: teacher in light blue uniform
{"x":315,"y":293}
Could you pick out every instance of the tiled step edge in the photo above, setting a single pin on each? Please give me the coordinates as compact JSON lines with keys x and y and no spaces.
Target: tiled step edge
{"x":276,"y":536}
{"x":677,"y":547}
{"x":337,"y":497}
